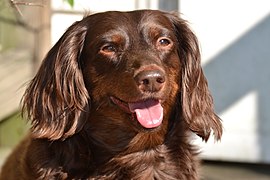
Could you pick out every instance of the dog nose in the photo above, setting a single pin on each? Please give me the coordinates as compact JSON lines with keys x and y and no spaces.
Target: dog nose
{"x":150,"y":81}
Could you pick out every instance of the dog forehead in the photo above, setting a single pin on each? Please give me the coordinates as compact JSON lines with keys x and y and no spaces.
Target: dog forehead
{"x":154,"y":17}
{"x":130,"y":21}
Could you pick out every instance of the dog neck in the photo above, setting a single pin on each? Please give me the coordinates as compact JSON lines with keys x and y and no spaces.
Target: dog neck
{"x":104,"y":150}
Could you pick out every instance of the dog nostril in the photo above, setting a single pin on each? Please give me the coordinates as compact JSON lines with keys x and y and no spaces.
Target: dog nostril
{"x":160,"y":79}
{"x":150,"y":81}
{"x":145,"y":81}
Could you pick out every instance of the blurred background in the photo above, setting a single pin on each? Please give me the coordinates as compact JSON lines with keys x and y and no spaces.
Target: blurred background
{"x":235,"y":45}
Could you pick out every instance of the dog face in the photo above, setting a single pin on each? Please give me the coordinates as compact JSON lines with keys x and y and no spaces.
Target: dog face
{"x":132,"y":67}
{"x":122,"y":70}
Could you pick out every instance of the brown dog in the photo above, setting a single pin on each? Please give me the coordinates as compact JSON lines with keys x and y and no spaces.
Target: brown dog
{"x":117,"y":98}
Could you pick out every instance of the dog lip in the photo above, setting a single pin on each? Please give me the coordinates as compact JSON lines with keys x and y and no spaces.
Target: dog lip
{"x":125,"y":107}
{"x":122,"y":104}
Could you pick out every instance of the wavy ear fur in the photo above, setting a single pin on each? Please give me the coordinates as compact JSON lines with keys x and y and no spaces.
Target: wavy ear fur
{"x":196,"y":100}
{"x":56,"y":100}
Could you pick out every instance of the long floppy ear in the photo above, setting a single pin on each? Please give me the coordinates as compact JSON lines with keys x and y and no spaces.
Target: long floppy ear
{"x":196,"y":100}
{"x":56,"y":100}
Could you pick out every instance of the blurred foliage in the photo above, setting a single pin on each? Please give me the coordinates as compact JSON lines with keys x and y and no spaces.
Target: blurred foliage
{"x":8,"y":36}
{"x":70,"y":2}
{"x":12,"y":130}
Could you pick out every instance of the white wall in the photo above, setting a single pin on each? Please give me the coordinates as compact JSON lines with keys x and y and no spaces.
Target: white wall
{"x":235,"y":41}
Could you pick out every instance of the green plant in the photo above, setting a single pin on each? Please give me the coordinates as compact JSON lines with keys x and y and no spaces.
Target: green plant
{"x":70,"y":2}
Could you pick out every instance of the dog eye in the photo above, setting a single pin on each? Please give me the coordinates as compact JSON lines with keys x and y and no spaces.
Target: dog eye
{"x":164,"y":42}
{"x":108,"y":48}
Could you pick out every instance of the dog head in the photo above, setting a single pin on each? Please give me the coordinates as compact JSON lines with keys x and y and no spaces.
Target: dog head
{"x":132,"y":68}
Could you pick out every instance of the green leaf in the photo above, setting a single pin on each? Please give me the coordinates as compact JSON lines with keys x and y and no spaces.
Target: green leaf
{"x":70,"y":2}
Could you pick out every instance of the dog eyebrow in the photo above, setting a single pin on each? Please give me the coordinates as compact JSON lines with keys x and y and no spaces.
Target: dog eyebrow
{"x":115,"y":36}
{"x":156,"y":30}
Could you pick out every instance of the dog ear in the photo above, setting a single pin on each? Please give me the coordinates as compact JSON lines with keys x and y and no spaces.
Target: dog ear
{"x":196,"y":100}
{"x":56,"y":100}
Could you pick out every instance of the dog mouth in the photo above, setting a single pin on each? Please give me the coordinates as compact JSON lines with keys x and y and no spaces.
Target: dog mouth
{"x":149,"y":112}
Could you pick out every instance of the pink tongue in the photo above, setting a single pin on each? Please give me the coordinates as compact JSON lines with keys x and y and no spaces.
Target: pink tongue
{"x":149,"y":113}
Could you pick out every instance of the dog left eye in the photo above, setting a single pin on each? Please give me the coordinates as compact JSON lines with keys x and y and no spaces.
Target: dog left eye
{"x":164,"y":42}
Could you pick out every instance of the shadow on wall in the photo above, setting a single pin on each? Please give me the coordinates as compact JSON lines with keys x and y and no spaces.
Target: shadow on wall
{"x":240,"y":69}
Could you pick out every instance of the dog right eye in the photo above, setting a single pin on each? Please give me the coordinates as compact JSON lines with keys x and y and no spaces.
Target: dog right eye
{"x":108,"y":49}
